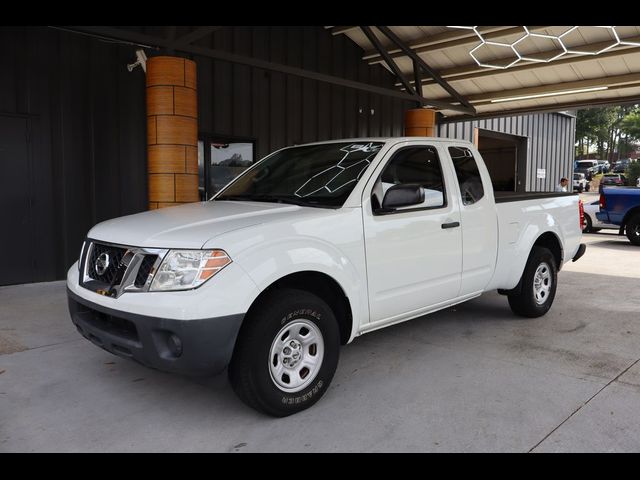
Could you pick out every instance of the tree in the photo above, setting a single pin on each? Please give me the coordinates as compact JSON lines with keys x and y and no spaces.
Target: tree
{"x":611,"y":129}
{"x":630,"y":125}
{"x":633,"y":172}
{"x":593,"y":125}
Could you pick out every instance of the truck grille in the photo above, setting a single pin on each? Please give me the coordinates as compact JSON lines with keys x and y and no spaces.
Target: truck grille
{"x":114,"y":269}
{"x":145,"y":270}
{"x":113,"y":255}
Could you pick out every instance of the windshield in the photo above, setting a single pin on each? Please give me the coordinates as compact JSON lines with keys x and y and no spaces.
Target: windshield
{"x":315,"y":175}
{"x":584,"y":164}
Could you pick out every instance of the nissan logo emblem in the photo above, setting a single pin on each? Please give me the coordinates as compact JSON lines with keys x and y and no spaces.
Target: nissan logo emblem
{"x":102,"y":263}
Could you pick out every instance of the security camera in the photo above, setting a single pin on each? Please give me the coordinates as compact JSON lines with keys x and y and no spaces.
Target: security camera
{"x":142,"y":61}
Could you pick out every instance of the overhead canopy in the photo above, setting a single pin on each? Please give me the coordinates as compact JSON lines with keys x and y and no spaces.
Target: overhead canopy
{"x":464,"y":70}
{"x":509,"y":69}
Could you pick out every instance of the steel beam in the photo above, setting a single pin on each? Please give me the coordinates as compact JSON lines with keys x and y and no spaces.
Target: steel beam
{"x":417,"y":78}
{"x":556,"y":107}
{"x":152,"y":41}
{"x":390,"y":62}
{"x":418,"y":60}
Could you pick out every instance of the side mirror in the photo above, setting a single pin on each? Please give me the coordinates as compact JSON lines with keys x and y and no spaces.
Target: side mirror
{"x":403,"y":195}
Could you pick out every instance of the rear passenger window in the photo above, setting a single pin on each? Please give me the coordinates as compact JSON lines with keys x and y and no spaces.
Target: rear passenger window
{"x":468,"y":175}
{"x":413,"y":165}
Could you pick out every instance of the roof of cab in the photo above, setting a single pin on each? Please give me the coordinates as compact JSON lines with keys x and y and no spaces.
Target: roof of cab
{"x":387,"y":140}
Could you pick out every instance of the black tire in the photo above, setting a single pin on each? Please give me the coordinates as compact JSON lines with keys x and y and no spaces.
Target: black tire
{"x":525,"y":303}
{"x":632,"y":229}
{"x":250,"y":371}
{"x":587,"y":188}
{"x":580,"y":188}
{"x":589,"y":228}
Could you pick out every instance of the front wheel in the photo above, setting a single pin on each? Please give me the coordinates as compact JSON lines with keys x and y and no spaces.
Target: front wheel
{"x":537,"y":285}
{"x":633,"y":230}
{"x":286,"y":354}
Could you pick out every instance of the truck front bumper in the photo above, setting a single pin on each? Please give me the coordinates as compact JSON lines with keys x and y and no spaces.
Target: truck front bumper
{"x":191,"y":347}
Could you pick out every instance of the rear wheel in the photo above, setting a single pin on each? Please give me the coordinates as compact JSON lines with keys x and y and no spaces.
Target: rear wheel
{"x":589,"y":227}
{"x":287,"y":353}
{"x":633,"y":229}
{"x":537,"y":285}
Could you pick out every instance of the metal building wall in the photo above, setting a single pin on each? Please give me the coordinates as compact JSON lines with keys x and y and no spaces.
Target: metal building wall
{"x":550,"y":143}
{"x":278,"y":109}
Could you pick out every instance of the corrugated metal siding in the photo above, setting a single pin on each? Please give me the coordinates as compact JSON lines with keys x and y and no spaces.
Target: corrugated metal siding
{"x":550,"y":143}
{"x":87,"y":116}
{"x":279,"y":110}
{"x":87,"y":138}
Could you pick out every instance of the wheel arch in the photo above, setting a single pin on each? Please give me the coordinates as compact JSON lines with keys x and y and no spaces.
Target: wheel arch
{"x":322,"y":285}
{"x":551,"y":241}
{"x":632,"y":211}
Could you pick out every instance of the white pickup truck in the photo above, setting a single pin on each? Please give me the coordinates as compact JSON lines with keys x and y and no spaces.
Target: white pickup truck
{"x":309,"y":248}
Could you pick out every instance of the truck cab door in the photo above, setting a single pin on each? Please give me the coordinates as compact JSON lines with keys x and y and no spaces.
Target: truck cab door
{"x":413,"y":253}
{"x":479,"y":219}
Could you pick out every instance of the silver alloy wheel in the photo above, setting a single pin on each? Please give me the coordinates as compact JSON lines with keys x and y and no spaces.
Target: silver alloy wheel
{"x":542,"y":281}
{"x":296,"y":355}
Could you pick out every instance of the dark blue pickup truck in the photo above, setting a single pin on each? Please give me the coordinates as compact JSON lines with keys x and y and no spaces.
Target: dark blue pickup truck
{"x":621,"y":206}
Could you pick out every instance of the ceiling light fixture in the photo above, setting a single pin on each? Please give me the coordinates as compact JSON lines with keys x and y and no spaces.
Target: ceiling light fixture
{"x":517,"y":57}
{"x":549,"y":94}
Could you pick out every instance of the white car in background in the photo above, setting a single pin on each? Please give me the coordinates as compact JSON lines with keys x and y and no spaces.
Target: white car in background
{"x":580,"y":182}
{"x":592,"y":224}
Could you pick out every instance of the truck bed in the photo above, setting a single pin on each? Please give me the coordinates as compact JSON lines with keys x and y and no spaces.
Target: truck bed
{"x":523,"y":217}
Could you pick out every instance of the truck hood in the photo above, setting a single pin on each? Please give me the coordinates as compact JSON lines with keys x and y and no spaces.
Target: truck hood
{"x":189,"y":226}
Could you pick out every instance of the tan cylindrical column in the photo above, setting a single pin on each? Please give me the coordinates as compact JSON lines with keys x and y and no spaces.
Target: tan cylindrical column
{"x":420,"y":122}
{"x":172,"y":131}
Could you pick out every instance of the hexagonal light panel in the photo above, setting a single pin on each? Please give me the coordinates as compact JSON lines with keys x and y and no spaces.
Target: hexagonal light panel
{"x":486,"y":55}
{"x":528,"y":46}
{"x":516,"y":47}
{"x":618,"y":31}
{"x":511,"y":38}
{"x":573,"y":39}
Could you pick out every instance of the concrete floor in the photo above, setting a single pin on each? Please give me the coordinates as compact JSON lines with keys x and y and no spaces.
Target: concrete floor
{"x":471,"y":378}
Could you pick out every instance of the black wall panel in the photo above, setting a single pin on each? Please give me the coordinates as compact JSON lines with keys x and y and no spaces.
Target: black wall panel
{"x":86,"y":142}
{"x":85,"y":116}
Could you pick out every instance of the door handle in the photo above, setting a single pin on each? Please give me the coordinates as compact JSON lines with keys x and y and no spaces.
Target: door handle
{"x":451,"y":225}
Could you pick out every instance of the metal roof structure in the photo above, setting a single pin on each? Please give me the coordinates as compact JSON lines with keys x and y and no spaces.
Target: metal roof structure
{"x":508,"y":69}
{"x":478,"y":71}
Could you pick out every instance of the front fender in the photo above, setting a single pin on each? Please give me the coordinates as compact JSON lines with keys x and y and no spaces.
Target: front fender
{"x":276,"y":260}
{"x":335,"y":248}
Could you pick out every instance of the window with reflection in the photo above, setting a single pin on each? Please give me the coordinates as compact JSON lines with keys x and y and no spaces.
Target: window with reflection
{"x":220,"y":161}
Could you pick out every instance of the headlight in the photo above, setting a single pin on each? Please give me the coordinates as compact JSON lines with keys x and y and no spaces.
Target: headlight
{"x":186,"y":269}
